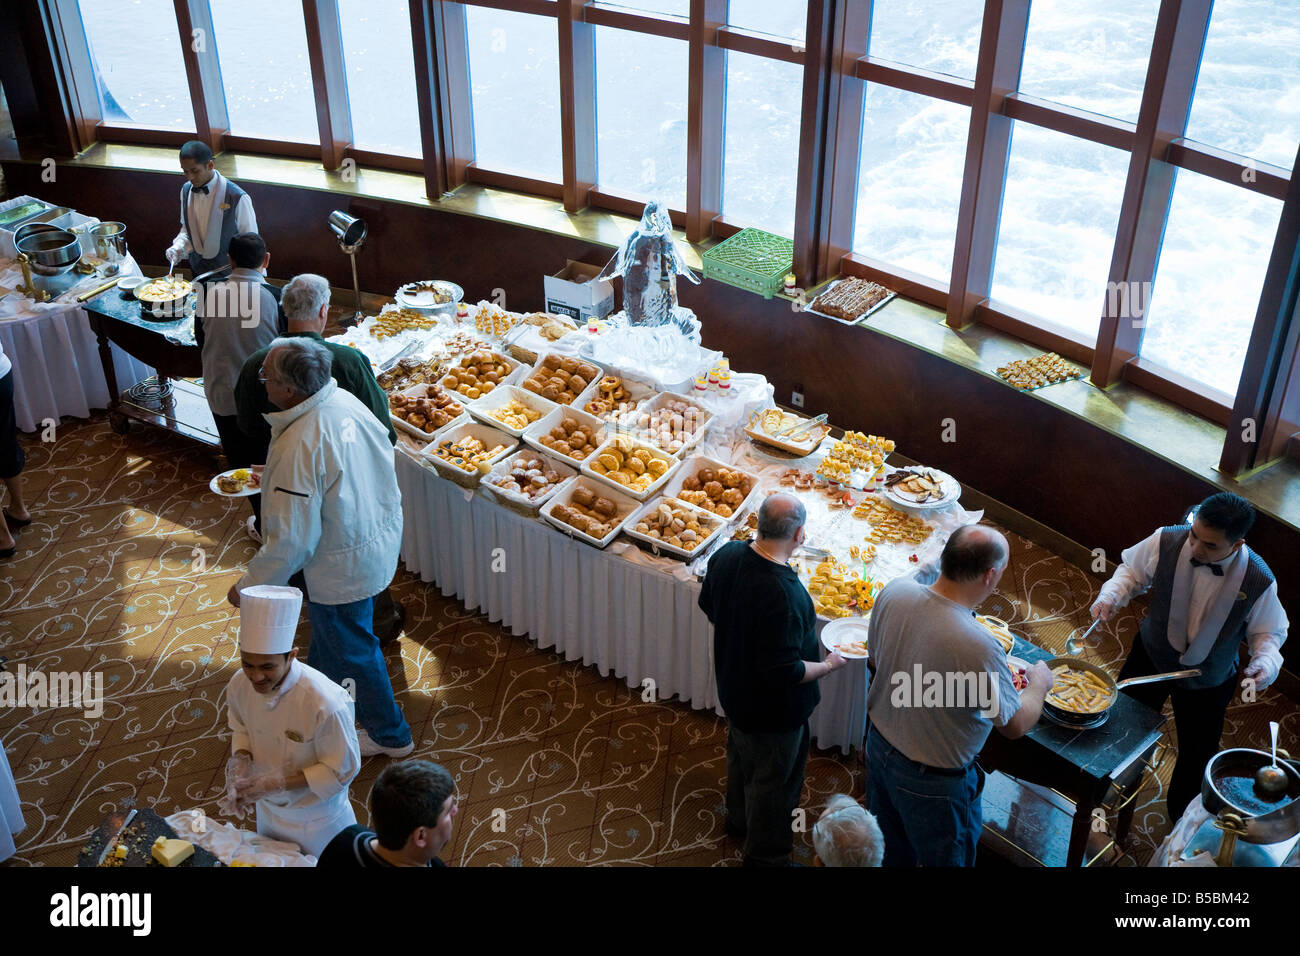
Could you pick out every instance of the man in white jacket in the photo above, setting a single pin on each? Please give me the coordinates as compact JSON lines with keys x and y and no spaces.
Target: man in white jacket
{"x":331,"y":506}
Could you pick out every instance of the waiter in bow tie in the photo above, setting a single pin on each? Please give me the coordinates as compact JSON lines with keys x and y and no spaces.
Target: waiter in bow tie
{"x":1208,"y":593}
{"x":213,"y":211}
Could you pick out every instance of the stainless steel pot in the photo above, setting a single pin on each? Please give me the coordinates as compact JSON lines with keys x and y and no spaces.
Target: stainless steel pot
{"x":52,"y":253}
{"x":30,"y":229}
{"x":110,"y":240}
{"x":1228,"y":786}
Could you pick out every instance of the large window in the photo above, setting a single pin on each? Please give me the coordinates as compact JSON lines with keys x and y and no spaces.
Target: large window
{"x":938,"y":35}
{"x":381,"y":75}
{"x":1248,"y":89}
{"x":909,"y":180}
{"x":781,"y":19}
{"x":1091,"y":54}
{"x":641,"y":115}
{"x":1203,"y":304}
{"x":515,"y":74}
{"x":266,"y":70}
{"x":135,"y":88}
{"x":762,"y":142}
{"x":1057,"y":232}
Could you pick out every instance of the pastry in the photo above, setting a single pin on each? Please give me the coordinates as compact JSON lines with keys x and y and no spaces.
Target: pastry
{"x":676,"y":524}
{"x":515,"y":414}
{"x":527,"y":476}
{"x":849,"y":298}
{"x":719,"y":490}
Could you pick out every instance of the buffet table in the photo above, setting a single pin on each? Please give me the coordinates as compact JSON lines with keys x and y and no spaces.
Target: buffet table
{"x":616,"y":611}
{"x":56,"y":357}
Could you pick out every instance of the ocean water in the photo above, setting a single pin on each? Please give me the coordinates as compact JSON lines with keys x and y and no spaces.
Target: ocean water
{"x":1062,"y":197}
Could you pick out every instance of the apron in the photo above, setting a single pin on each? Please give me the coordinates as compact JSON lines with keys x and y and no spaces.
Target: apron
{"x":311,"y":828}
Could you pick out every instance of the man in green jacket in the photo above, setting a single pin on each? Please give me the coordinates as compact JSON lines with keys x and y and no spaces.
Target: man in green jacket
{"x":306,"y":304}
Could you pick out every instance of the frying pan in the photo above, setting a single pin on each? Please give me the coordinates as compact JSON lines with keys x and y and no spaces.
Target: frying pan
{"x":1070,"y":717}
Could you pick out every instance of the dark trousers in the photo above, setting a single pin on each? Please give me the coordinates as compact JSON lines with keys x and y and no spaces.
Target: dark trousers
{"x":764,"y":781}
{"x":385,"y":617}
{"x":1198,"y":719}
{"x":928,"y":816}
{"x":242,"y":450}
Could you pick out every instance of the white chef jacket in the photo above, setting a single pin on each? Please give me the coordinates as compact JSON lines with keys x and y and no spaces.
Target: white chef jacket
{"x":1266,"y":622}
{"x":201,"y":212}
{"x":306,"y":725}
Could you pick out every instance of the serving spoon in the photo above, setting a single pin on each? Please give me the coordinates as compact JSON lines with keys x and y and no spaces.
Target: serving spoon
{"x":1270,"y":780}
{"x":1072,"y":647}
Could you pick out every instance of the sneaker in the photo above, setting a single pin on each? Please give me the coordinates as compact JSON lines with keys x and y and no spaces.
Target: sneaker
{"x":371,"y":749}
{"x":251,"y":527}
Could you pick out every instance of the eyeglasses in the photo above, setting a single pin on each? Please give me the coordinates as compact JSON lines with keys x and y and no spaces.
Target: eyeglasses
{"x":261,"y":375}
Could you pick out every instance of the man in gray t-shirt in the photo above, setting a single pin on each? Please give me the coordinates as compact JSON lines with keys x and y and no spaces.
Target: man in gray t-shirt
{"x":940,"y":683}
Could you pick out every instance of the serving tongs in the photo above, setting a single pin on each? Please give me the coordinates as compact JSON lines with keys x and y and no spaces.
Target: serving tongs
{"x":802,"y":427}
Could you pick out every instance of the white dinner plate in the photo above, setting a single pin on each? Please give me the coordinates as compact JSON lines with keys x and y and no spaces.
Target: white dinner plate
{"x":249,"y":489}
{"x":845,"y":630}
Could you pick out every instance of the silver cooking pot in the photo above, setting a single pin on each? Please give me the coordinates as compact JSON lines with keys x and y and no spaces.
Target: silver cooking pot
{"x":1228,"y":785}
{"x":30,"y":229}
{"x":52,"y":252}
{"x":110,"y":240}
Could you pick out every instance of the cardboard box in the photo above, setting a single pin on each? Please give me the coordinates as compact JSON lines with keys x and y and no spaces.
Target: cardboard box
{"x":572,"y":292}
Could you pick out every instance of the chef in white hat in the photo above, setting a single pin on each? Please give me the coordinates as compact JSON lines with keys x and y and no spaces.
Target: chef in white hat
{"x":295,"y":745}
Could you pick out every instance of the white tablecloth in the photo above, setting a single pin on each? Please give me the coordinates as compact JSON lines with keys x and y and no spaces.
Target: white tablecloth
{"x":11,"y":815}
{"x":623,"y":613}
{"x":56,"y":357}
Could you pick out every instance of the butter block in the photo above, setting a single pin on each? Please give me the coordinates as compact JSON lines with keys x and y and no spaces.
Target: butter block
{"x":171,"y":852}
{"x":119,"y":851}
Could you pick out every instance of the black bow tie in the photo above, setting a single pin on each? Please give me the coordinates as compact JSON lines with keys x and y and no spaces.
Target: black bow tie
{"x":201,"y":189}
{"x":1216,"y":568}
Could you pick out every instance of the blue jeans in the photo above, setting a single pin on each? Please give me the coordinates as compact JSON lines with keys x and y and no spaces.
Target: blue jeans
{"x":927,"y":816}
{"x":343,"y":647}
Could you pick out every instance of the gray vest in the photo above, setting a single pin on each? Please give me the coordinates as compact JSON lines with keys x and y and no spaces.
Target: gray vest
{"x":199,"y":265}
{"x":1221,"y":663}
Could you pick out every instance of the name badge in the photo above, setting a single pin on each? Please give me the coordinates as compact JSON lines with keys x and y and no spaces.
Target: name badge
{"x":224,"y":205}
{"x":294,"y":736}
{"x":1241,"y":595}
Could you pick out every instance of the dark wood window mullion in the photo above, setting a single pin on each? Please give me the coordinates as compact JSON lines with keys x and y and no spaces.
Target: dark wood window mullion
{"x":988,"y":149}
{"x":1176,"y":48}
{"x":69,"y":52}
{"x":577,"y":54}
{"x":706,"y":83}
{"x":456,"y":110}
{"x":1268,"y":393}
{"x":1229,"y":167}
{"x":203,"y":71}
{"x":328,"y":79}
{"x":424,"y":46}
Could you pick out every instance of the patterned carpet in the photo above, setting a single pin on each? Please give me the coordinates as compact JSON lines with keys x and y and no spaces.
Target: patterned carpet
{"x":125,"y":571}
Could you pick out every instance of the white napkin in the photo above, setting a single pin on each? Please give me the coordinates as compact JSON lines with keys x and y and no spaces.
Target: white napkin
{"x":228,"y":843}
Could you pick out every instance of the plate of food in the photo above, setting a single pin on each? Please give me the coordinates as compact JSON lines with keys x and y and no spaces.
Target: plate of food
{"x":847,"y":636}
{"x":1019,"y":673}
{"x":236,"y":483}
{"x":429,"y":295}
{"x":1000,"y":630}
{"x":922,"y":487}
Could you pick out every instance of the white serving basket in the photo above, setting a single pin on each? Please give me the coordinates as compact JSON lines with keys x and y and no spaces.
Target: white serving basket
{"x":517,"y":501}
{"x":419,"y":391}
{"x":462,"y":428}
{"x":629,"y":421}
{"x":671,"y":464}
{"x":624,"y":504}
{"x":693,"y":465}
{"x":587,"y":390}
{"x":659,"y":546}
{"x":638,"y":393}
{"x":514,"y":372}
{"x":482,"y":407}
{"x":533,"y":433}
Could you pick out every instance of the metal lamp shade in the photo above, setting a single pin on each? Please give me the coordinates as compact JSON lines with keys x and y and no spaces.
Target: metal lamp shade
{"x":350,"y":230}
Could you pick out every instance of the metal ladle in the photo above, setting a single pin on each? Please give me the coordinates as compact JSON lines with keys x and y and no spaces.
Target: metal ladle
{"x":1072,"y":647}
{"x":1270,"y":780}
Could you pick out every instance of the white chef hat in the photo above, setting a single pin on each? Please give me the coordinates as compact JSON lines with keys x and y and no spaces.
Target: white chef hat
{"x":268,"y":618}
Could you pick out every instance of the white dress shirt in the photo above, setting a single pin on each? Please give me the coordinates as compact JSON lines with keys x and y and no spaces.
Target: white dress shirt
{"x":201,"y":212}
{"x":1266,"y":621}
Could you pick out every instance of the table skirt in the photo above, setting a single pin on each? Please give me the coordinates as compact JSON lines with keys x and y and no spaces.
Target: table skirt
{"x":636,"y":621}
{"x":57,"y":370}
{"x":11,"y":814}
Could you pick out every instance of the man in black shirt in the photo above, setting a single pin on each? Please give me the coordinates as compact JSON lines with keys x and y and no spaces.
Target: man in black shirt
{"x":412,"y":805}
{"x":765,"y":657}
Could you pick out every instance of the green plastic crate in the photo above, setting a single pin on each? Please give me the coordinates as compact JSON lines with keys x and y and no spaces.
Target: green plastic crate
{"x":753,"y":260}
